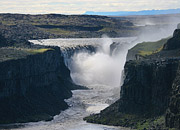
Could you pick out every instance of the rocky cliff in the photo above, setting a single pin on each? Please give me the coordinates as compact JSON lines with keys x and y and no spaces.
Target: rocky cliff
{"x":174,"y":42}
{"x":150,"y":93}
{"x":147,"y":86}
{"x":173,"y":111}
{"x":33,"y":88}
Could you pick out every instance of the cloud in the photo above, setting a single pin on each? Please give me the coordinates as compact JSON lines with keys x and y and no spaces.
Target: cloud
{"x":81,"y":6}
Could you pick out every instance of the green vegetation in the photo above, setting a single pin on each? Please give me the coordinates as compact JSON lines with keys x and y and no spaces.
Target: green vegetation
{"x":9,"y":23}
{"x":105,"y":29}
{"x":112,"y":116}
{"x":35,"y":51}
{"x":146,"y":53}
{"x":57,"y":31}
{"x":148,"y":48}
{"x":128,"y":120}
{"x":149,"y":123}
{"x":116,"y":119}
{"x":13,"y":53}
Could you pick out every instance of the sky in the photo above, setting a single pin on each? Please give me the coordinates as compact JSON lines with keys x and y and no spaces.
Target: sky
{"x":81,"y":6}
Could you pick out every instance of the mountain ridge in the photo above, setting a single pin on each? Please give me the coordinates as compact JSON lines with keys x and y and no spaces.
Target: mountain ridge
{"x":142,"y":12}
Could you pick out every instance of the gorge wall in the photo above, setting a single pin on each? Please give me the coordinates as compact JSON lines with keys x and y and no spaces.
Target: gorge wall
{"x":173,"y":111}
{"x":34,"y":88}
{"x":147,"y":87}
{"x":144,"y":95}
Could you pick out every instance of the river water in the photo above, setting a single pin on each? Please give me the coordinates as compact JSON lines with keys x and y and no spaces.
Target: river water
{"x":100,"y":94}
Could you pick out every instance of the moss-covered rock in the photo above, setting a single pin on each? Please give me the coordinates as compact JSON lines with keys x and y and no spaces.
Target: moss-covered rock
{"x":145,"y":49}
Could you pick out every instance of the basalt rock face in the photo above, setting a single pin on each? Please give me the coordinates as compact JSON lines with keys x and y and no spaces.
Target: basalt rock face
{"x":174,"y":42}
{"x":173,"y":111}
{"x":34,"y":88}
{"x":147,"y":87}
{"x":68,"y":52}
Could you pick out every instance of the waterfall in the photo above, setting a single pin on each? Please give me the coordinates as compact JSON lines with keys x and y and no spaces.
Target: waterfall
{"x":90,"y":60}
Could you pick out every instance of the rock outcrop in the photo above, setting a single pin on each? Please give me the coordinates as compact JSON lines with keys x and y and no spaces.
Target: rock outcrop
{"x":34,"y":88}
{"x":147,"y":87}
{"x":70,"y":51}
{"x":173,"y":111}
{"x":174,"y":42}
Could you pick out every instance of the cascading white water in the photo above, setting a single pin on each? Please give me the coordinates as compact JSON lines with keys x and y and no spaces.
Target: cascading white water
{"x":100,"y":68}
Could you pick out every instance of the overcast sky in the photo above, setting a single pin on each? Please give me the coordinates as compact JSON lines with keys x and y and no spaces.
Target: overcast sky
{"x":81,"y":6}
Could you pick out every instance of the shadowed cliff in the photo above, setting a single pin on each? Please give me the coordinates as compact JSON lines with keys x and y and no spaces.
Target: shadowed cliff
{"x":33,"y":87}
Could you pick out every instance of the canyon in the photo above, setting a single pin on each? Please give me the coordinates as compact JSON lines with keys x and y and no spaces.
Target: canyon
{"x":56,"y":86}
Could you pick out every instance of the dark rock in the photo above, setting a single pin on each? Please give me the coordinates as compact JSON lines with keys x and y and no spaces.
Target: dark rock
{"x":174,"y":42}
{"x":173,"y":111}
{"x":113,"y":46}
{"x":34,"y":88}
{"x":147,"y":87}
{"x":70,"y":51}
{"x":3,"y":41}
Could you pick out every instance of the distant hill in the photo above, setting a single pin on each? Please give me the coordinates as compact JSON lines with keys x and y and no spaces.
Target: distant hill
{"x":143,"y":12}
{"x":22,"y":27}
